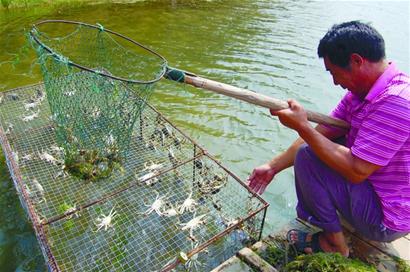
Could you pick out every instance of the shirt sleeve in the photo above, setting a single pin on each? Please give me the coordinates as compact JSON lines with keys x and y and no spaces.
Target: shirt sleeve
{"x":341,"y":111}
{"x":383,"y":131}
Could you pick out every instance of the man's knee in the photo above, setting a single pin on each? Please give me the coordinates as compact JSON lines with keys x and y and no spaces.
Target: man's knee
{"x":307,"y":166}
{"x":303,"y":156}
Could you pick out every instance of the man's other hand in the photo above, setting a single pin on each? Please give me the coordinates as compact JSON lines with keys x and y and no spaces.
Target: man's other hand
{"x":261,"y":177}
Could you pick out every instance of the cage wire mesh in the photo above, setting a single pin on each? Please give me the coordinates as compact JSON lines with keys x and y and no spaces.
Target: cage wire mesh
{"x":94,"y":102}
{"x":168,"y":198}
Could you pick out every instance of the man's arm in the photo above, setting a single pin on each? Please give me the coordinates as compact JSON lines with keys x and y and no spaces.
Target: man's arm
{"x":336,"y":156}
{"x":287,"y":158}
{"x":263,"y":175}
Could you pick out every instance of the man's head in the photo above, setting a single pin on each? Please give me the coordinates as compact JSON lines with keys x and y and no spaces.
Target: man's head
{"x":353,"y":53}
{"x":342,"y":40}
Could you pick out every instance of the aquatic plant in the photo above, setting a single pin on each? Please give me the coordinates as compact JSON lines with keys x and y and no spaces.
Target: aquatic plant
{"x":89,"y":165}
{"x":278,"y":254}
{"x":327,"y":262}
{"x":285,"y":258}
{"x":401,"y":265}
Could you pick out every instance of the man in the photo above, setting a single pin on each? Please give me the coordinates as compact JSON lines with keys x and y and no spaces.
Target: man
{"x":367,"y":180}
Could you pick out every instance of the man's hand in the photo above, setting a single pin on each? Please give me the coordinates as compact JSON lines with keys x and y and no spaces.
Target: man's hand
{"x":261,"y":177}
{"x":294,"y":117}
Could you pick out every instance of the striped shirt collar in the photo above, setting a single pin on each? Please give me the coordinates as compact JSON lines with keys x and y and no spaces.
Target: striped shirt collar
{"x":382,"y":82}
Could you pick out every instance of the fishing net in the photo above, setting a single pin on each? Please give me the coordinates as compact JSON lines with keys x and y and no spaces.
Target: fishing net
{"x":89,"y":77}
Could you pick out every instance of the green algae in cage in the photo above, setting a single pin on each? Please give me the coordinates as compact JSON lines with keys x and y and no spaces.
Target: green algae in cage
{"x":88,"y":75}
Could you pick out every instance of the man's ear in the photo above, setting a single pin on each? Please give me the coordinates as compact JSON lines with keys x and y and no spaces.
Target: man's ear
{"x":356,"y":60}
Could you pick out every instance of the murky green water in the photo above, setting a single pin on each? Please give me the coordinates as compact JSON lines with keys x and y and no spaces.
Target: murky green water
{"x":265,"y":46}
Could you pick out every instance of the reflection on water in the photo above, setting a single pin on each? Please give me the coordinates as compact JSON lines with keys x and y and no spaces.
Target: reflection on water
{"x":266,"y":46}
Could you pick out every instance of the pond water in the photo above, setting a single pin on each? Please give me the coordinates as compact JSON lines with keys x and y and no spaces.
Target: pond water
{"x":265,"y":46}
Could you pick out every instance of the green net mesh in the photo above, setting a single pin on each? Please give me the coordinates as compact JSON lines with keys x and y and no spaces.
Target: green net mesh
{"x":89,"y":75}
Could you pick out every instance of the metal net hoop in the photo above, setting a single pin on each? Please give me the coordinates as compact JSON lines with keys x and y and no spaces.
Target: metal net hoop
{"x":89,"y":74}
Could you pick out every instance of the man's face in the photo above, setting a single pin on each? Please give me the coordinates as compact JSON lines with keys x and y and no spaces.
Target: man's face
{"x":344,"y":77}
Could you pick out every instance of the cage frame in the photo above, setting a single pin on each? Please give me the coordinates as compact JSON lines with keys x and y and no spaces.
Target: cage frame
{"x":39,"y":225}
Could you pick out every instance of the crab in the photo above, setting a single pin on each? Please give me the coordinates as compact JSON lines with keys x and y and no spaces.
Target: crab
{"x":56,"y":149}
{"x":172,"y":158}
{"x":110,"y":140}
{"x":151,"y":145}
{"x":193,"y":223}
{"x":178,"y":142}
{"x":104,"y":221}
{"x":229,"y":222}
{"x":40,"y":95}
{"x":170,"y":212}
{"x":95,"y":113}
{"x":158,"y":133}
{"x":71,"y":211}
{"x":212,"y":185}
{"x":31,"y":105}
{"x":152,"y":166}
{"x":44,"y":156}
{"x":27,"y":157}
{"x":188,"y":205}
{"x":166,"y":130}
{"x":69,"y":93}
{"x":16,"y":156}
{"x":38,"y":193}
{"x":30,"y":117}
{"x":193,"y":264}
{"x":13,"y":96}
{"x":149,"y":178}
{"x":60,"y":174}
{"x":156,"y":206}
{"x":10,"y":128}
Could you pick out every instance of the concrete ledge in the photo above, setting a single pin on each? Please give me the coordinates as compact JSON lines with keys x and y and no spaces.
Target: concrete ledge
{"x":255,"y":261}
{"x":259,"y":247}
{"x":233,"y":264}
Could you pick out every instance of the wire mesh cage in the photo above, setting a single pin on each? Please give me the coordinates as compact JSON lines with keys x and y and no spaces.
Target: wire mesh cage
{"x":94,"y":103}
{"x":169,"y":206}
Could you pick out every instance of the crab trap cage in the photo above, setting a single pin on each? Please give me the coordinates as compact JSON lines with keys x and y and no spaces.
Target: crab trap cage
{"x":169,"y":206}
{"x":109,"y":183}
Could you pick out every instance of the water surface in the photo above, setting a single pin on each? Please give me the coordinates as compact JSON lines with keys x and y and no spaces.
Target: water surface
{"x":265,"y":46}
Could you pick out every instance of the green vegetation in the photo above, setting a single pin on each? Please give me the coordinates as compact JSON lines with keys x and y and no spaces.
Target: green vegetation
{"x":327,"y":262}
{"x":278,"y":256}
{"x":90,"y":166}
{"x":285,"y":258}
{"x":401,"y":265}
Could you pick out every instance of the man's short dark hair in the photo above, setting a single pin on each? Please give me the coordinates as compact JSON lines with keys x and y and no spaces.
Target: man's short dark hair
{"x":344,"y":39}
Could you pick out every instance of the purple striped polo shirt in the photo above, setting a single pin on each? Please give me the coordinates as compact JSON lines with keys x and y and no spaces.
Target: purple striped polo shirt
{"x":380,"y":130}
